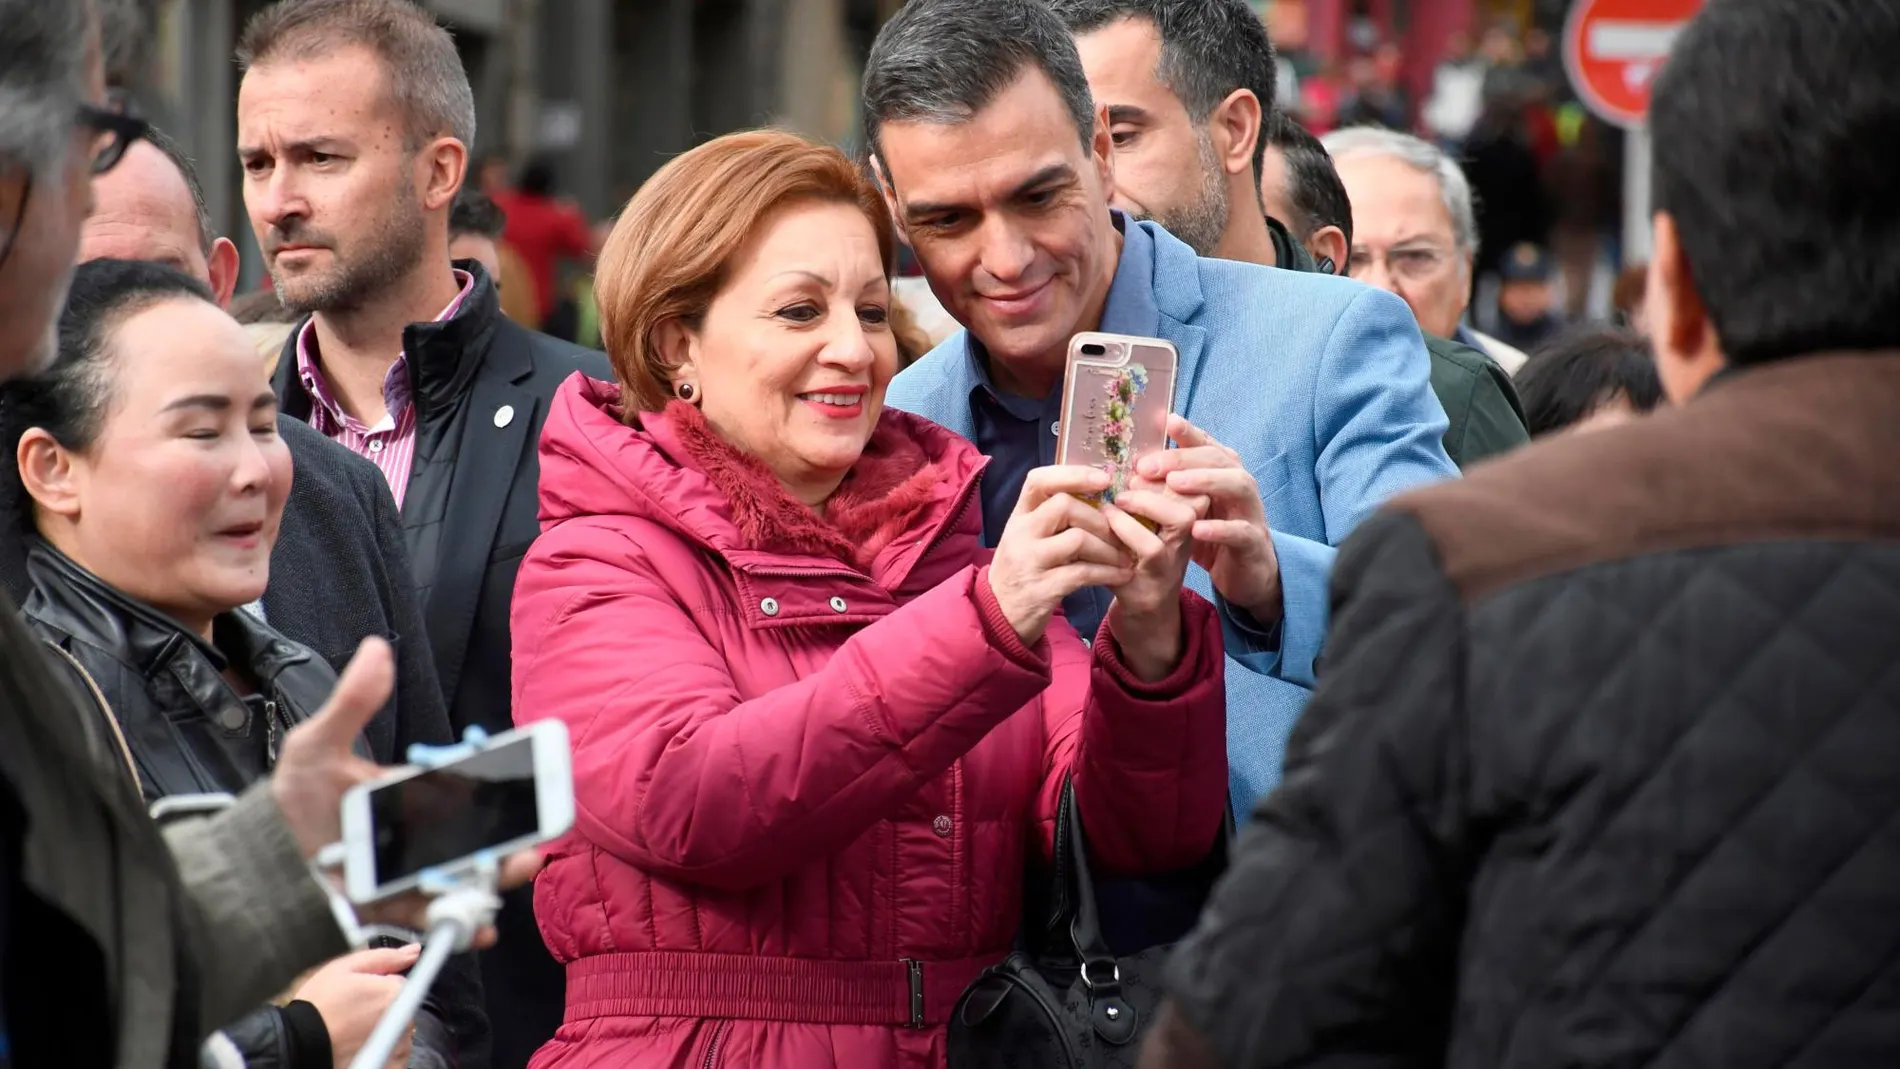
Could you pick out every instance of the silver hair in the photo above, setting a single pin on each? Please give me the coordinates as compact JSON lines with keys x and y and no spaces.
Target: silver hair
{"x":1422,"y":156}
{"x":42,"y":76}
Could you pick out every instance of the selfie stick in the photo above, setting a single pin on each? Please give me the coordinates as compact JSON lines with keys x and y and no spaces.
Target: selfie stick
{"x":464,"y":901}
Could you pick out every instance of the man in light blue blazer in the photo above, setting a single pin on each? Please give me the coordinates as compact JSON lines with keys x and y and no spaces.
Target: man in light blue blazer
{"x":997,"y":166}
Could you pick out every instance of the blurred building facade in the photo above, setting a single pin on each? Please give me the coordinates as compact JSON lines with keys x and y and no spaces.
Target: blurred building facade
{"x":608,"y":90}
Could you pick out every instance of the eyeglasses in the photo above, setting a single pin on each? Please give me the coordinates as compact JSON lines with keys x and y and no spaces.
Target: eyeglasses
{"x":115,"y":134}
{"x":1415,"y":263}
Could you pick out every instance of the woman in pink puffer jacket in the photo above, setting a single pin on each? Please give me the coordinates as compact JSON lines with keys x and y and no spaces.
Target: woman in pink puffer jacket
{"x":816,"y":725}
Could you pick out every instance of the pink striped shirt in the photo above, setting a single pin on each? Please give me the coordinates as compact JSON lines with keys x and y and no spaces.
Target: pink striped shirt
{"x":391,"y":444}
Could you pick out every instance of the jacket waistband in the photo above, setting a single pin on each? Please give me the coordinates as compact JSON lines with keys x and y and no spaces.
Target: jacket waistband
{"x":909,"y":993}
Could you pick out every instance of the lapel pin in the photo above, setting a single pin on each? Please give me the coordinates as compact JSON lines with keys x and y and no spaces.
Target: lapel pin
{"x":504,"y":415}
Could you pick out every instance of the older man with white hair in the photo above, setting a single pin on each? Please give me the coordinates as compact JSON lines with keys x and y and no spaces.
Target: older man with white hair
{"x":1414,"y":229}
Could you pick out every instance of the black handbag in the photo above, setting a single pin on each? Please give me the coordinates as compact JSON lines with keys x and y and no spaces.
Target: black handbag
{"x":1068,"y":1002}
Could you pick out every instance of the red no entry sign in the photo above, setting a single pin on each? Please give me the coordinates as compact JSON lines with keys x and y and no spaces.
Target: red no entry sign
{"x":1613,"y":49}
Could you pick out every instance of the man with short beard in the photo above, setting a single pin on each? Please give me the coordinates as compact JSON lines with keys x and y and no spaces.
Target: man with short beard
{"x":1189,"y":87}
{"x":354,"y":124}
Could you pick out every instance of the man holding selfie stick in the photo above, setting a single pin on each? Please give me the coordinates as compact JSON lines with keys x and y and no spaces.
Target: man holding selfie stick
{"x":1307,"y":399}
{"x":119,"y":946}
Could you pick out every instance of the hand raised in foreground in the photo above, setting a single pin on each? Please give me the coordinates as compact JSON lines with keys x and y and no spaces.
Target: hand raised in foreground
{"x":316,"y":766}
{"x":1054,"y":545}
{"x":1232,"y":541}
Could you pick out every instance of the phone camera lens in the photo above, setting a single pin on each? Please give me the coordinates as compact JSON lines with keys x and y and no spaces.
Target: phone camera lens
{"x":1092,"y":349}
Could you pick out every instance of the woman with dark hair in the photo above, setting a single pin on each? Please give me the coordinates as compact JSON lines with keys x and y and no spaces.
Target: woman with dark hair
{"x":1588,"y":380}
{"x":149,"y":481}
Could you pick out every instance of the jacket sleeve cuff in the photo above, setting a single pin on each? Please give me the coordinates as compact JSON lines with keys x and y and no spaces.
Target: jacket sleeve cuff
{"x":249,"y":882}
{"x":308,"y":1034}
{"x":1001,"y":633}
{"x":1193,"y":666}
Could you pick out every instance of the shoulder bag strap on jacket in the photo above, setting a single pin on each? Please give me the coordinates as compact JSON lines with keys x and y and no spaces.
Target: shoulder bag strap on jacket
{"x":105,"y":710}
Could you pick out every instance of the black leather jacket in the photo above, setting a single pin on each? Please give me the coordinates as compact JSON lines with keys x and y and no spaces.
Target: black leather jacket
{"x":187,"y":731}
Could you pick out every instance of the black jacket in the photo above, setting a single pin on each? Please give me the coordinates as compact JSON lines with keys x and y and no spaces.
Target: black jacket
{"x":481,"y":384}
{"x":339,"y":573}
{"x":1604,"y":765}
{"x":187,"y":731}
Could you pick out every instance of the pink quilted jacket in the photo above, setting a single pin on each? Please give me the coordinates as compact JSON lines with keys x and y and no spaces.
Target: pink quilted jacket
{"x":810,"y":755}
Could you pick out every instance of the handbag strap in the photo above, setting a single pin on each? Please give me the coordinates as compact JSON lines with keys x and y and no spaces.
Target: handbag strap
{"x":1072,"y":885}
{"x":105,"y":710}
{"x":1085,"y":927}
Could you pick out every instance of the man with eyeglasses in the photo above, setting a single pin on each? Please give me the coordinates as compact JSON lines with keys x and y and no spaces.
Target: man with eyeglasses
{"x":1414,"y":229}
{"x":120,"y":947}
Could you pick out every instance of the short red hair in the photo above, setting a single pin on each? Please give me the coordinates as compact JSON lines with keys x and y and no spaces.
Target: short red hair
{"x":674,"y":244}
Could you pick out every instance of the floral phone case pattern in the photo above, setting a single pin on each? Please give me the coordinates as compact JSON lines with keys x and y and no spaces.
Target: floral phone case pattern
{"x":1116,"y":405}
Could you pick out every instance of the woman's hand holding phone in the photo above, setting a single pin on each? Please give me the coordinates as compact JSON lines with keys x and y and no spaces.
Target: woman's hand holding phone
{"x":1054,"y":545}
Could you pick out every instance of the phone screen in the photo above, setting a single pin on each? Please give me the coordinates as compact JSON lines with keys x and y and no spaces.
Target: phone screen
{"x":447,"y":814}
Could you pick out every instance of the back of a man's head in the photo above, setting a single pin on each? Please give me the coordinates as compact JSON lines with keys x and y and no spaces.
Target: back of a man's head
{"x":942,"y":61}
{"x":425,"y":75}
{"x":1313,"y":189}
{"x":476,"y":214}
{"x":1209,"y":48}
{"x":1772,"y":122}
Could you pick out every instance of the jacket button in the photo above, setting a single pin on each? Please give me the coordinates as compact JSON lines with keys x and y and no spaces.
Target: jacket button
{"x":233,"y":717}
{"x":769,"y":606}
{"x":837,"y":604}
{"x":941,"y":826}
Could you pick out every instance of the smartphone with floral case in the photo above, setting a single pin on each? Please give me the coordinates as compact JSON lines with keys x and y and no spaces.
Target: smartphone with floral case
{"x":1117,"y":392}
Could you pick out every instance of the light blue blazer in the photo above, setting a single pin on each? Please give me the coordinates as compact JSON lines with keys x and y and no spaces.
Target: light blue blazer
{"x":1321,"y":384}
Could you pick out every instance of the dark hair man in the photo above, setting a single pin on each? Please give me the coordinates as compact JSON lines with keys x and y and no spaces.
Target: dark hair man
{"x":1300,"y":188}
{"x":475,"y":226}
{"x":1188,"y":85}
{"x":116,"y":949}
{"x":1601,"y":771}
{"x":1589,"y":380}
{"x":1156,"y":65}
{"x":1300,"y":184}
{"x":339,"y":571}
{"x":998,"y":168}
{"x":354,"y":120}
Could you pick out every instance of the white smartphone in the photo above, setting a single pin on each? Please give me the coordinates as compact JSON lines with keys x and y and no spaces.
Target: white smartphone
{"x":511,"y":792}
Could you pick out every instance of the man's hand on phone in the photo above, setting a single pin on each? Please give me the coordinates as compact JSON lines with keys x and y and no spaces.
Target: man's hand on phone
{"x":1232,"y":541}
{"x":316,"y":766}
